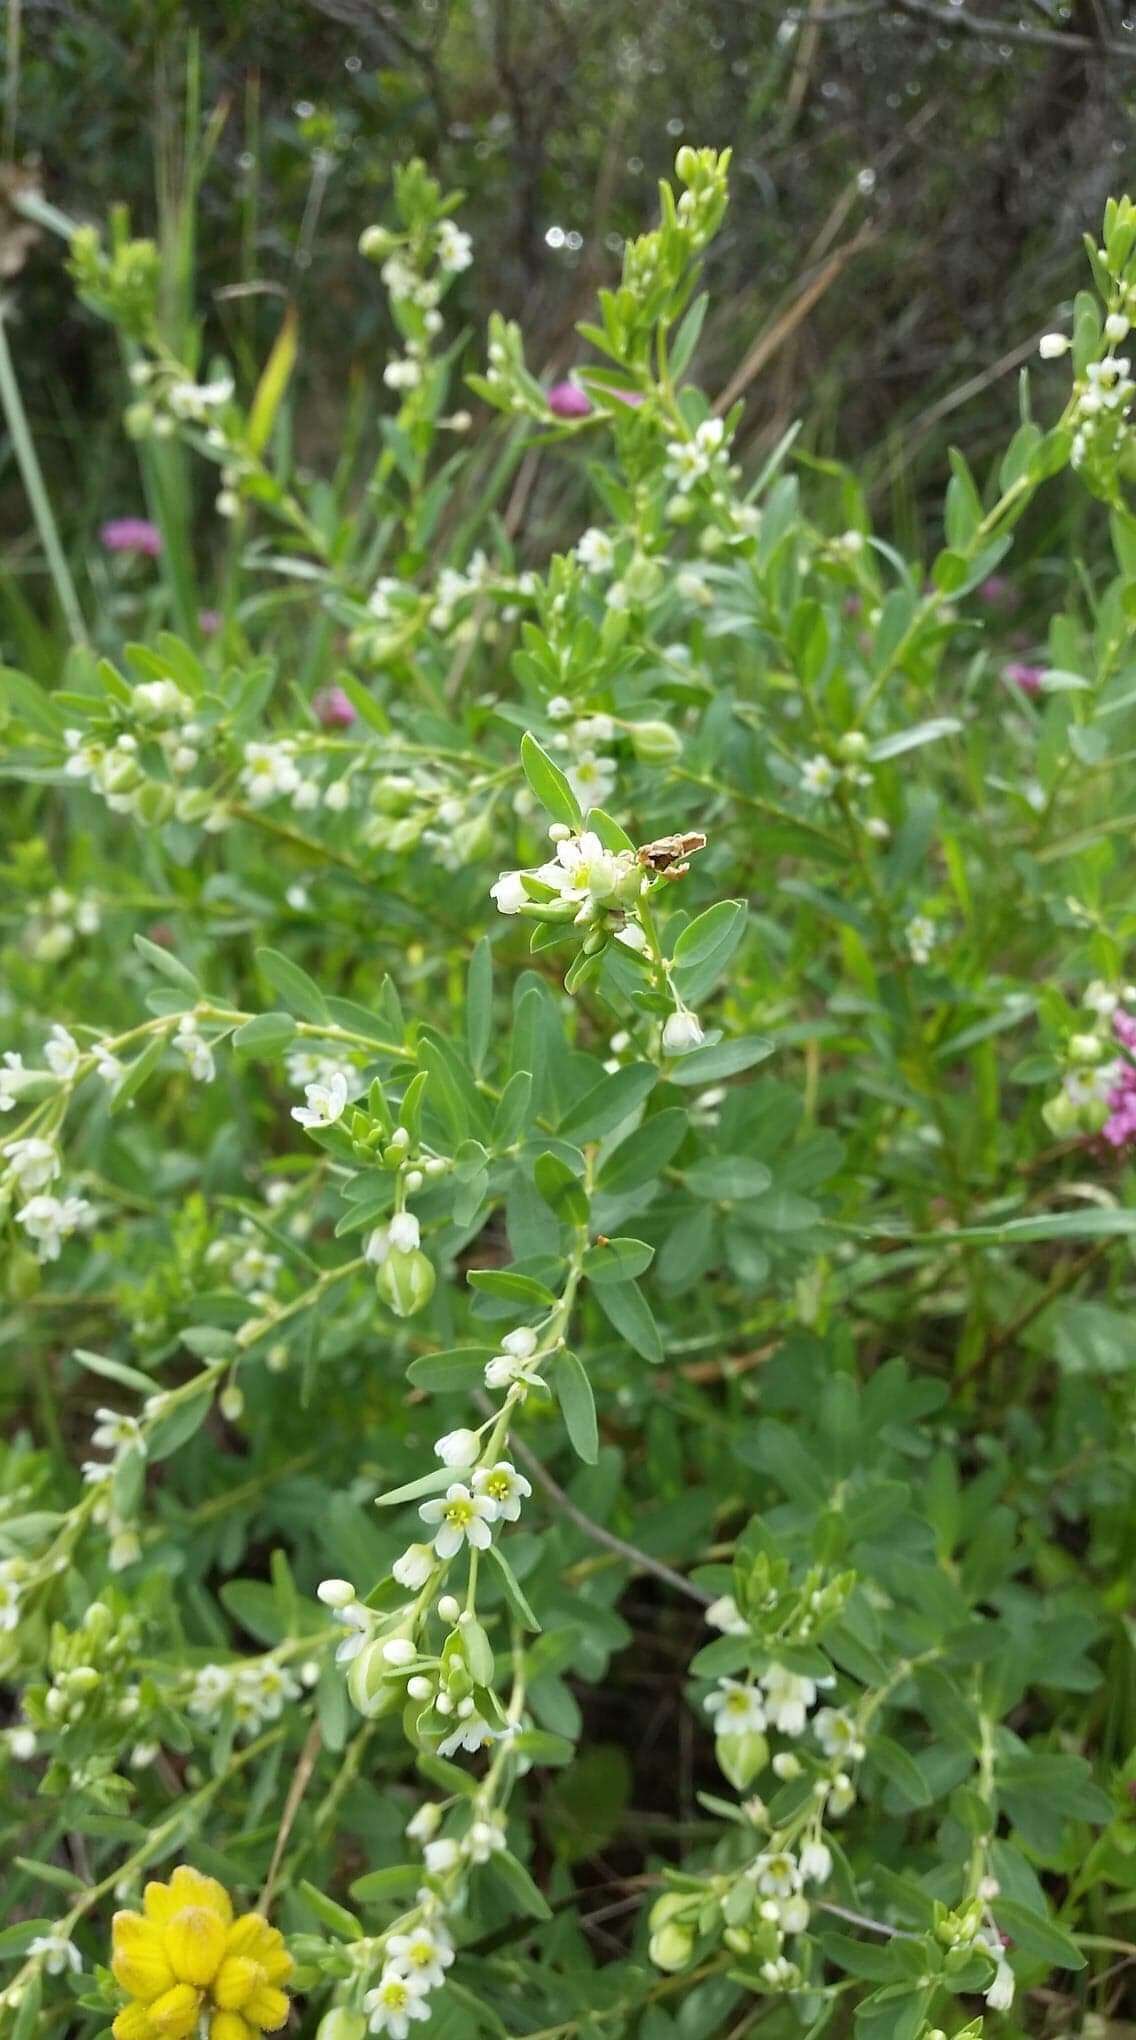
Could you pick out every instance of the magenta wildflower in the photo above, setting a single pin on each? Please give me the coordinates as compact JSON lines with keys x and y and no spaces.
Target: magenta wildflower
{"x":209,"y":622}
{"x":132,"y":535}
{"x":998,"y":591}
{"x":1120,"y":1126}
{"x":334,"y":709}
{"x":568,"y":400}
{"x":1021,"y":674}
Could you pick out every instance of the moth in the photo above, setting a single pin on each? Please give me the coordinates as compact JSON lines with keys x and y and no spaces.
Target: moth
{"x":669,"y":856}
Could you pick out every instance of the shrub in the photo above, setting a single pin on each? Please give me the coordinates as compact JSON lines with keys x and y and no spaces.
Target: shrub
{"x":628,"y":1068}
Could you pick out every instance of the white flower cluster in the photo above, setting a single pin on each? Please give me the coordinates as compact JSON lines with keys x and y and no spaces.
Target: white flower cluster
{"x":590,"y":772}
{"x":921,"y":935}
{"x":581,"y":871}
{"x":52,"y":932}
{"x":414,"y":1964}
{"x":168,"y":398}
{"x":688,"y":460}
{"x":257,"y":1689}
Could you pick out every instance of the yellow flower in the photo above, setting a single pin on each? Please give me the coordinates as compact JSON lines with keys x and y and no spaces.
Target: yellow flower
{"x":185,"y":1957}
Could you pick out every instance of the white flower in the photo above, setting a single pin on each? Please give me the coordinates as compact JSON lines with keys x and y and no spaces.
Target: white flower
{"x":1000,"y":1995}
{"x":325,"y":1102}
{"x":816,"y":1863}
{"x":558,"y":708}
{"x":1115,"y":328}
{"x":56,"y":1952}
{"x":505,"y":1486}
{"x":460,"y":1517}
{"x":724,"y":1614}
{"x":441,"y":1856}
{"x":583,"y":869}
{"x":793,"y":1914}
{"x":335,"y":1593}
{"x":61,"y":1053}
{"x":777,"y":1875}
{"x":1052,"y":345}
{"x":836,"y":1733}
{"x":399,"y":1650}
{"x":921,"y":933}
{"x":686,"y":462}
{"x":483,"y":1840}
{"x":269,"y":770}
{"x":787,"y":1699}
{"x":633,"y":936}
{"x":596,"y":555}
{"x":505,"y":1370}
{"x":458,"y":1448}
{"x":337,"y":797}
{"x":212,"y":1685}
{"x":710,"y":435}
{"x":424,"y":1824}
{"x":108,"y":1067}
{"x":115,"y":1432}
{"x":50,"y":1220}
{"x":10,"y":1592}
{"x":159,"y":698}
{"x":509,"y":893}
{"x":735,"y":1709}
{"x":22,"y":1744}
{"x":471,"y":1733}
{"x":682,"y":1031}
{"x":357,"y":1622}
{"x":427,"y":1953}
{"x":10,"y":1077}
{"x":414,"y":1567}
{"x":376,"y":1246}
{"x":819,"y":775}
{"x":522,"y":1343}
{"x":396,"y":2000}
{"x":405,"y":1237}
{"x":591,"y":779}
{"x":455,"y":248}
{"x":33,"y":1164}
{"x":196,"y":1050}
{"x":402,"y":375}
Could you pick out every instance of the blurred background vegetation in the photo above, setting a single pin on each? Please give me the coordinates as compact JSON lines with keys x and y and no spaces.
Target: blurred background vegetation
{"x":910,"y":186}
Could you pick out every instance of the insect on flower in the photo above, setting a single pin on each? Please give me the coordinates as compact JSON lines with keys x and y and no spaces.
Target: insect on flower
{"x":669,"y":856}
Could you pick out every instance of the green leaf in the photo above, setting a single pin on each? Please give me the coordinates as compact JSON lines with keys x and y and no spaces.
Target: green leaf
{"x":617,"y":1260}
{"x":335,"y":1917}
{"x":479,"y":1005}
{"x":115,"y":1370}
{"x":478,"y":1653}
{"x":267,"y":1035}
{"x":274,"y":379}
{"x":720,"y":926}
{"x":1035,"y":1936}
{"x":724,"y":1178}
{"x":514,"y":1596}
{"x":722,"y":1059}
{"x":577,"y":1405}
{"x":900,"y":1770}
{"x":169,"y":966}
{"x":640,"y":1157}
{"x":413,"y":1490}
{"x":514,"y":1288}
{"x":388,"y":1883}
{"x":299,"y":992}
{"x":519,"y":1884}
{"x":461,"y":1367}
{"x":626,"y":1307}
{"x":609,"y":1103}
{"x":549,"y":784}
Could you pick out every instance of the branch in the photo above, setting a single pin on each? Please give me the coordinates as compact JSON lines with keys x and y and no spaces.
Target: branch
{"x":960,"y":21}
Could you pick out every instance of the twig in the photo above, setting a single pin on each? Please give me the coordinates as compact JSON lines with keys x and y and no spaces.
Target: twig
{"x":767,"y":343}
{"x":641,"y":1560}
{"x":960,"y":21}
{"x":305,"y":1765}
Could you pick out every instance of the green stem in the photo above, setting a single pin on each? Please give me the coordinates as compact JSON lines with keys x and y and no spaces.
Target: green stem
{"x":28,"y":463}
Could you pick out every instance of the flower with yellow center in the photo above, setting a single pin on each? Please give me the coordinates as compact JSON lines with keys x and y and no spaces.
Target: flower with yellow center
{"x":185,"y":1963}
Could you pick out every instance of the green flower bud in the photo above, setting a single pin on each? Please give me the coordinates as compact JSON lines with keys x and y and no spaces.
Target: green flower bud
{"x":370,"y":1686}
{"x":24,"y":1275}
{"x":671,"y":1948}
{"x":737,"y":1940}
{"x":853,"y":744}
{"x":655,"y":742}
{"x":405,"y":1282}
{"x":341,"y":2024}
{"x":375,"y":242}
{"x":155,"y":803}
{"x":1061,"y":1116}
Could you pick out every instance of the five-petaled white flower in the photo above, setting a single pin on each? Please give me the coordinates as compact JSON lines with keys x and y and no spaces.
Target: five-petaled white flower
{"x":596,"y":554}
{"x":33,"y":1164}
{"x":56,"y":1953}
{"x":505,"y":1486}
{"x":787,"y":1699}
{"x":325,"y":1101}
{"x":819,"y":775}
{"x":472,"y":1733}
{"x":461,"y":1518}
{"x":736,"y":1709}
{"x":61,"y":1053}
{"x":395,"y":2001}
{"x":427,"y":1953}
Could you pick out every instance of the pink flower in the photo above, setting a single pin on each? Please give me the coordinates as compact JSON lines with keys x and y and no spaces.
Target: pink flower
{"x":1120,"y":1126}
{"x":209,"y":622}
{"x":999,"y":592}
{"x":132,"y":535}
{"x":568,"y":400}
{"x":1021,"y":674}
{"x":334,"y":709}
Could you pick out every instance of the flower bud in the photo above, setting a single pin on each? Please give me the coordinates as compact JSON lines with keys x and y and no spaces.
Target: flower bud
{"x":341,"y":2024}
{"x":335,"y":1593}
{"x":374,"y":243}
{"x":370,"y":1685}
{"x":1086,"y":1048}
{"x":1052,"y":345}
{"x":405,"y":1282}
{"x":655,"y":743}
{"x":671,"y":1948}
